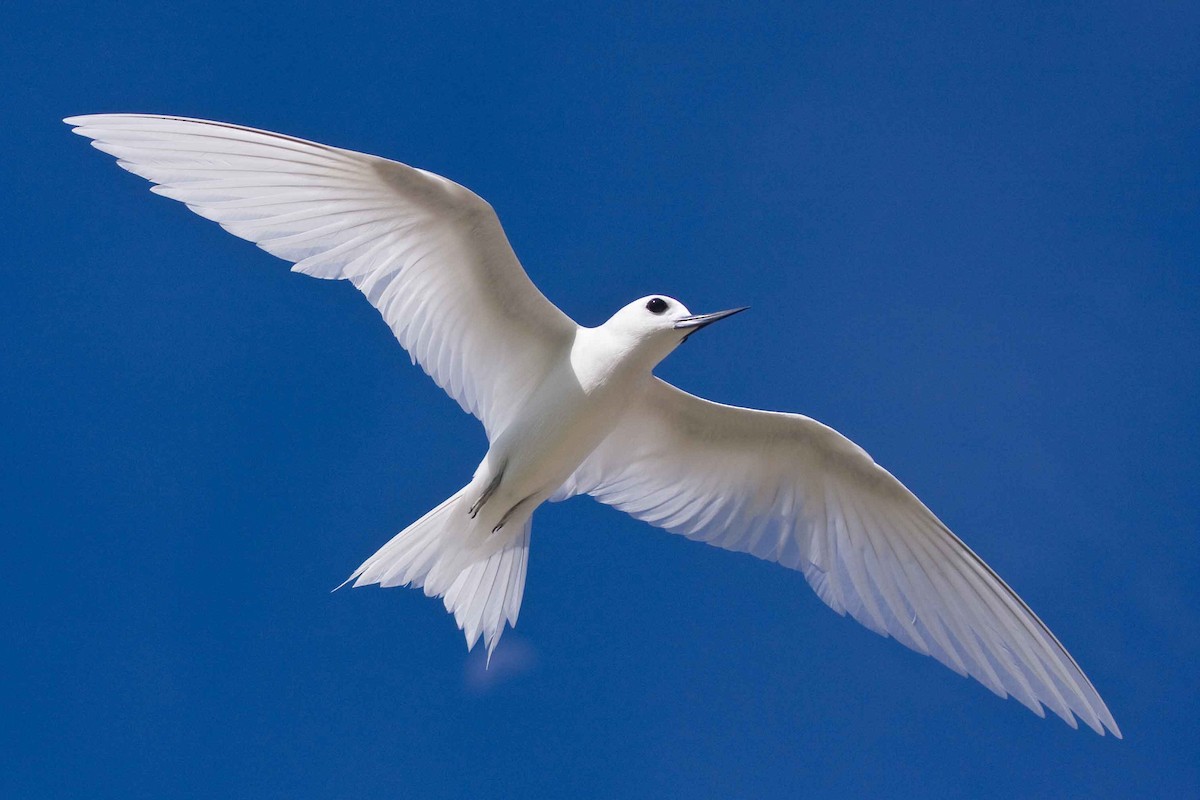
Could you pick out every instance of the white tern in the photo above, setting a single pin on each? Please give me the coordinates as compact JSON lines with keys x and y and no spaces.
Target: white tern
{"x":574,"y":410}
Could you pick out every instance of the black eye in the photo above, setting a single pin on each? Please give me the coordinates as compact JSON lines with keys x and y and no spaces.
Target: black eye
{"x":656,"y":305}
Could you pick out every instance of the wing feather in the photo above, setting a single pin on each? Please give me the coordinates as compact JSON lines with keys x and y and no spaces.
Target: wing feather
{"x":427,"y":253}
{"x":786,"y":488}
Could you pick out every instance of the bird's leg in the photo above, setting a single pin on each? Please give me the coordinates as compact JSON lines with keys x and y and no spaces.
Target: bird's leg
{"x":487,"y":493}
{"x":509,"y":513}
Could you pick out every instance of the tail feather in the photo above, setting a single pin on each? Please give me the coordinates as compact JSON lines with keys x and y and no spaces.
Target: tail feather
{"x":411,"y":554}
{"x":489,"y":591}
{"x":481,"y":586}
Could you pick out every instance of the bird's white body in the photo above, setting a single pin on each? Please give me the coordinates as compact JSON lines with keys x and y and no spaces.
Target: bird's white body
{"x":573,"y":410}
{"x":585,"y":391}
{"x":570,"y":412}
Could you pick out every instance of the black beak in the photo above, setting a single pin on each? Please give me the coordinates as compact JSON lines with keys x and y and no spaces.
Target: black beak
{"x":697,"y":321}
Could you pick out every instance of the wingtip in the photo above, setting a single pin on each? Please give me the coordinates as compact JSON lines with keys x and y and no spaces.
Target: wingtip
{"x":1102,"y":724}
{"x":79,"y":120}
{"x":1108,"y":721}
{"x":1111,"y":724}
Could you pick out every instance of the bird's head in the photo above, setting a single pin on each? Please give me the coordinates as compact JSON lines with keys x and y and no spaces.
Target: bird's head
{"x":660,"y":323}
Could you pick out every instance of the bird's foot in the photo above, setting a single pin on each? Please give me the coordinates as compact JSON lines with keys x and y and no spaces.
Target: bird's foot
{"x":473,"y":511}
{"x":508,"y":514}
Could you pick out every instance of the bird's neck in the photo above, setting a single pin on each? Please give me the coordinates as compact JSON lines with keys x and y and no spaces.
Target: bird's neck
{"x":603,"y":359}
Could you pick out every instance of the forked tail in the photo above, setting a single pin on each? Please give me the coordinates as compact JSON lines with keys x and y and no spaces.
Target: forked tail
{"x":481,"y":586}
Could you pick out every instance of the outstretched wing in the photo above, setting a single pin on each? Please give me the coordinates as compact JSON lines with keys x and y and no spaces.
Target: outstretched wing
{"x":429,"y":254}
{"x":786,"y":488}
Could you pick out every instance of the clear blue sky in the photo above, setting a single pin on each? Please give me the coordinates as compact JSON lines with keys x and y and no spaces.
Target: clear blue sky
{"x":969,"y":238}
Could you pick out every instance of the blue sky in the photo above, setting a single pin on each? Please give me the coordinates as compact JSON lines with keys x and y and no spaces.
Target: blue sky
{"x":969,"y":239}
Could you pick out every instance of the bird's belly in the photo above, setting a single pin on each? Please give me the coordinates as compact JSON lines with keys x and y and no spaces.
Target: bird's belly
{"x":551,"y":439}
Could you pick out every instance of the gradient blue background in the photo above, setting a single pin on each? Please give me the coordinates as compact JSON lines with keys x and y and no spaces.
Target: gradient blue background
{"x":969,"y":237}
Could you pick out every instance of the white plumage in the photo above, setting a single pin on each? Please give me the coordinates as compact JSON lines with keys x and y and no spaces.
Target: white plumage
{"x":571,"y":410}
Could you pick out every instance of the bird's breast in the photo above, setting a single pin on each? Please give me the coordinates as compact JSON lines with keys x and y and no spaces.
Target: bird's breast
{"x":564,"y":420}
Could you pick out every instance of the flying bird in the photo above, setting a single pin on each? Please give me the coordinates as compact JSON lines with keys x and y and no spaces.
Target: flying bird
{"x":572,"y":410}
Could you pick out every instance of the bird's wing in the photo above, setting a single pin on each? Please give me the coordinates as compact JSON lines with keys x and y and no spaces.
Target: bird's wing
{"x":429,"y":254}
{"x":786,"y":488}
